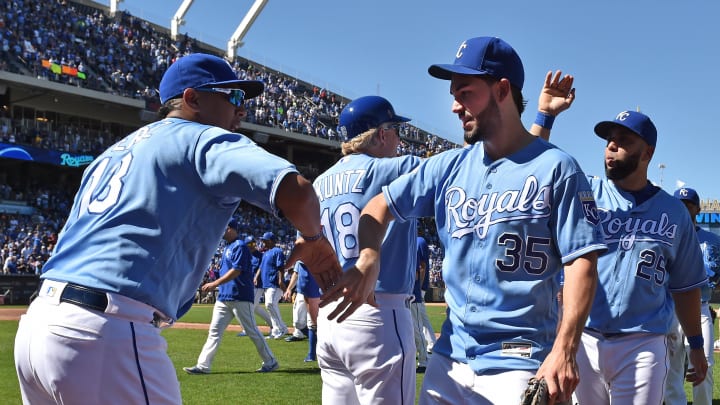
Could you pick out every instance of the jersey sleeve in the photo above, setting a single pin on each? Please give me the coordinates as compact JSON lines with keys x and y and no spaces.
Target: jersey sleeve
{"x":241,"y":258}
{"x":231,"y":165}
{"x":687,"y":269}
{"x":575,"y":218}
{"x":413,"y":194}
{"x":235,"y":256}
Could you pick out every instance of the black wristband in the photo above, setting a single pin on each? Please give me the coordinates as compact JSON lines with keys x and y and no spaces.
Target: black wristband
{"x":696,"y":342}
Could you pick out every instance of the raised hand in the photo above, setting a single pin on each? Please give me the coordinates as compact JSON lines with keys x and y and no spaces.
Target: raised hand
{"x":557,"y":94}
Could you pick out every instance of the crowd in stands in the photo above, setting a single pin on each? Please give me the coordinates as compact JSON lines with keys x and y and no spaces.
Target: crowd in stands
{"x":64,"y":138}
{"x":26,"y":241}
{"x":126,"y":55}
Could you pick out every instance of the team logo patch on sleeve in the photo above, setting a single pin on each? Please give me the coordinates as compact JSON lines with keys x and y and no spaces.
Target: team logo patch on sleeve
{"x":589,"y":208}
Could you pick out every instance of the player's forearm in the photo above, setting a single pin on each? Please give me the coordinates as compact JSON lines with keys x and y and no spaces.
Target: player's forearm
{"x":541,"y":132}
{"x":578,"y":294}
{"x":297,"y":200}
{"x":687,"y":308}
{"x":421,"y":272}
{"x":292,"y":282}
{"x":374,"y":220}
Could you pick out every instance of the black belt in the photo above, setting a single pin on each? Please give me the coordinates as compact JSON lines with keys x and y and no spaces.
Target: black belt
{"x":84,"y":297}
{"x":97,"y":300}
{"x":608,"y":335}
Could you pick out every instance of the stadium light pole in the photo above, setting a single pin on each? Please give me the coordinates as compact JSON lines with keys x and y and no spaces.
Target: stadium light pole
{"x":661,"y":166}
{"x":114,"y":6}
{"x":242,"y":29}
{"x":178,"y":18}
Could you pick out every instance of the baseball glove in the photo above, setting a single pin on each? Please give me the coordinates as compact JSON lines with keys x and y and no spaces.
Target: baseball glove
{"x":536,"y":393}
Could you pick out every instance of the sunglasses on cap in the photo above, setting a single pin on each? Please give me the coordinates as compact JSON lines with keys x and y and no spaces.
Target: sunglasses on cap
{"x":236,"y":97}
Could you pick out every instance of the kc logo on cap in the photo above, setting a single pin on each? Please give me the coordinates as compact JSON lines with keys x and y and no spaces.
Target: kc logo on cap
{"x":635,"y":121}
{"x":622,"y":116}
{"x":487,"y":56}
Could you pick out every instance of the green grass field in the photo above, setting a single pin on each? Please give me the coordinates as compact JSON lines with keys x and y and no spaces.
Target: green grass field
{"x":233,"y":378}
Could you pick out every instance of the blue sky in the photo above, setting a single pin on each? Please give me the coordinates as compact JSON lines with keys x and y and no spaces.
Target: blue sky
{"x":659,"y":56}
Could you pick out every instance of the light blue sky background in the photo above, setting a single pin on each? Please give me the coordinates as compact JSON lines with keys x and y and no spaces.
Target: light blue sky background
{"x":659,"y":56}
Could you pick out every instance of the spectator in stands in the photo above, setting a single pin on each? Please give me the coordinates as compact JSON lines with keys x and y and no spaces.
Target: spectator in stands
{"x":10,"y":267}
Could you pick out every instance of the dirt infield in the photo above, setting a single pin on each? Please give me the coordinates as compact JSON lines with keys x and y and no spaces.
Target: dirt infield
{"x":11,"y":314}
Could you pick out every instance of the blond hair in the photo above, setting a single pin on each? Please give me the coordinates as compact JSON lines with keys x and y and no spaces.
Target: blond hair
{"x":360,"y":143}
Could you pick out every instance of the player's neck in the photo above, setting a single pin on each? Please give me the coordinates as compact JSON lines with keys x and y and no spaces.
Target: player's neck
{"x":508,"y":143}
{"x":635,"y":181}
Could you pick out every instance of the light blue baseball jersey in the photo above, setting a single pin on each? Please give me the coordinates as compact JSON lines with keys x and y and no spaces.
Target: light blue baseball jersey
{"x":508,"y":226}
{"x":237,"y":256}
{"x":344,"y":190}
{"x":710,"y":246}
{"x":653,"y":251}
{"x":151,"y":209}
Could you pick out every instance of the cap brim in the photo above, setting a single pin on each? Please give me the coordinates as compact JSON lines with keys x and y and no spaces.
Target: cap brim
{"x":602,"y":129}
{"x":252,"y":88}
{"x":445,"y":72}
{"x":399,"y":118}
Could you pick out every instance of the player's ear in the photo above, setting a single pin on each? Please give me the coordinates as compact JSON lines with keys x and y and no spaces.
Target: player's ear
{"x":649,"y":152}
{"x":191,"y":99}
{"x":503,"y":89}
{"x":380,"y":136}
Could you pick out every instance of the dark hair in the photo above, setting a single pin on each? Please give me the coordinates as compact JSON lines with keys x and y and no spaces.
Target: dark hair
{"x":517,"y":96}
{"x":171,"y":105}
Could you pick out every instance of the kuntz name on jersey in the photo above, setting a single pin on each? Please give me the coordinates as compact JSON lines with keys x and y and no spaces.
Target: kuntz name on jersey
{"x":478,"y":214}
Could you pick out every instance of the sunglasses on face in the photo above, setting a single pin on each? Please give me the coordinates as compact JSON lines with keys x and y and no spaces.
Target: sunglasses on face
{"x":236,"y":97}
{"x":396,"y":126}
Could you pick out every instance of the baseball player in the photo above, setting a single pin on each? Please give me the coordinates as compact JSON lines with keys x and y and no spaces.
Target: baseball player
{"x":710,"y":247}
{"x":300,"y":307}
{"x":259,"y":291}
{"x":653,"y":269}
{"x":511,"y":210}
{"x":235,"y":298}
{"x":309,"y":289}
{"x":369,"y":358}
{"x":271,"y":275}
{"x":144,"y":224}
{"x":423,"y":258}
{"x":417,"y":308}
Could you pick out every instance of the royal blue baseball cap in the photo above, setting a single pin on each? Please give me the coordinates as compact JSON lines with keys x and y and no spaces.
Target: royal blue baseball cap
{"x":635,"y":121}
{"x":200,"y":70}
{"x":234,"y":224}
{"x":268,"y":236}
{"x":689,"y":194}
{"x":484,"y":56}
{"x":249,"y":239}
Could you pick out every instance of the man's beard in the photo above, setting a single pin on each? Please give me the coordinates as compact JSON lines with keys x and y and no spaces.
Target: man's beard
{"x":484,"y":123}
{"x":623,"y":168}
